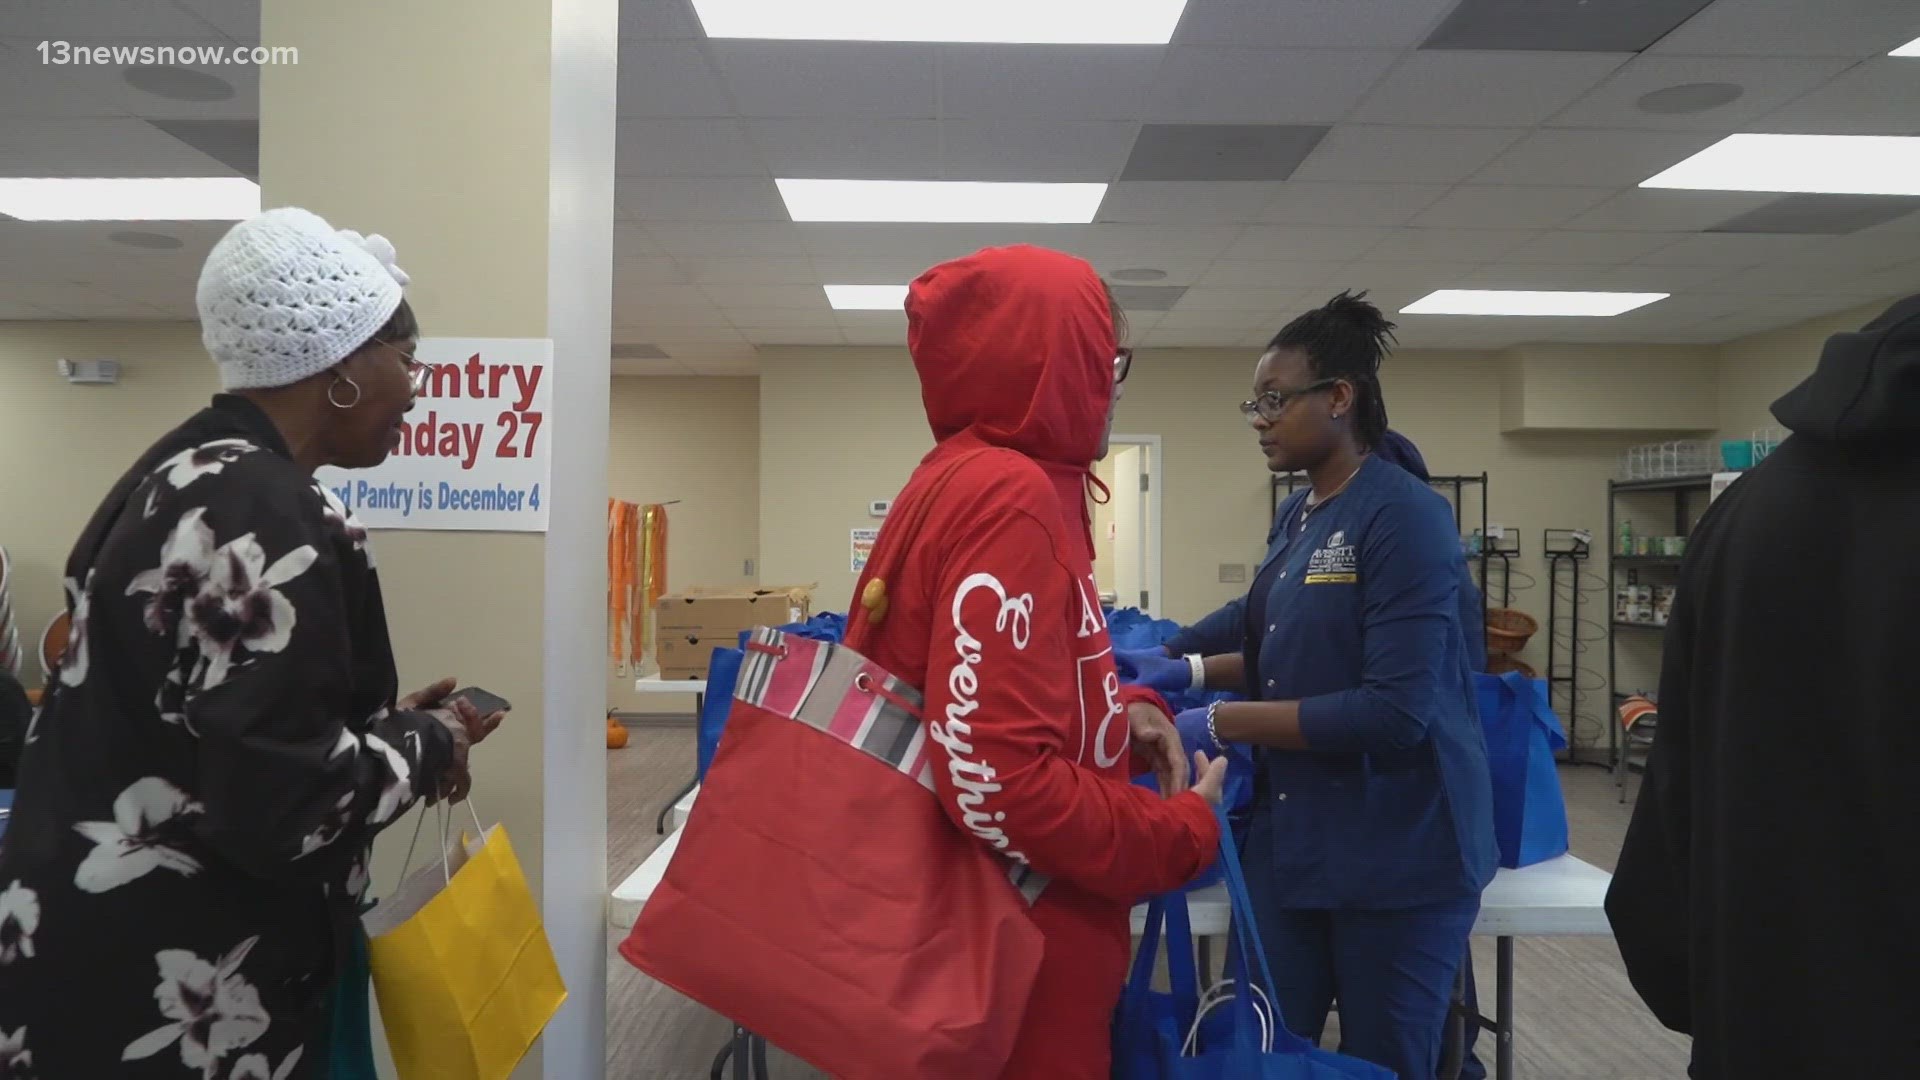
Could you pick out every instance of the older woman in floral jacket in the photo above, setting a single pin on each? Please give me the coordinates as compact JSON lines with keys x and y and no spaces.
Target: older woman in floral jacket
{"x":200,"y":791}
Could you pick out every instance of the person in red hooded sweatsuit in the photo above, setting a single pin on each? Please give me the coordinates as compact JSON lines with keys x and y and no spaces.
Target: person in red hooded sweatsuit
{"x":995,"y":613}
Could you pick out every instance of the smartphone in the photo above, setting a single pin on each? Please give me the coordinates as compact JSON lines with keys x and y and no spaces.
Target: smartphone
{"x":483,"y":702}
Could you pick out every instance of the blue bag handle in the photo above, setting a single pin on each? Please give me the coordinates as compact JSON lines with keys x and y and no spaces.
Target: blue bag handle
{"x":1184,"y":978}
{"x":1246,"y":1024}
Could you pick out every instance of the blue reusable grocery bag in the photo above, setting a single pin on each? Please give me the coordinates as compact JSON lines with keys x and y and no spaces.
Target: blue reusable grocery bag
{"x":1247,"y":1040}
{"x":1529,"y":810}
{"x":1149,"y":1025}
{"x":350,"y":1053}
{"x":723,"y":671}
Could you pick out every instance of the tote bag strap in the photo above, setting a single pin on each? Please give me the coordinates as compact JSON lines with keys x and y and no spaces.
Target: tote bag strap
{"x":1171,"y":912}
{"x":1250,"y":959}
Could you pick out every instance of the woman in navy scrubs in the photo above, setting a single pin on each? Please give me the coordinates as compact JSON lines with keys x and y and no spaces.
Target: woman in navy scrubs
{"x":1370,"y":834}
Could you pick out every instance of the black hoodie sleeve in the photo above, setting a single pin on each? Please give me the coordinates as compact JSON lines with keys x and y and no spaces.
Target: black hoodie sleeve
{"x":1649,"y":899}
{"x":16,"y":712}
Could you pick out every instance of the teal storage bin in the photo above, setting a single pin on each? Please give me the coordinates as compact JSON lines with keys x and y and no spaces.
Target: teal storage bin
{"x":1737,"y":454}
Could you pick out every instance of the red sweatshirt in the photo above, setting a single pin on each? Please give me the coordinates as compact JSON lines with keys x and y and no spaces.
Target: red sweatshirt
{"x":991,"y":607}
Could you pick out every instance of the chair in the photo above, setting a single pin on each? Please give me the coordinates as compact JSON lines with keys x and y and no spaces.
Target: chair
{"x":1639,"y":719}
{"x":53,"y":643}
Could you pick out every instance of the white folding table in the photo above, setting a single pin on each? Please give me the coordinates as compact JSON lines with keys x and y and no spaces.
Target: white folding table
{"x":654,"y":684}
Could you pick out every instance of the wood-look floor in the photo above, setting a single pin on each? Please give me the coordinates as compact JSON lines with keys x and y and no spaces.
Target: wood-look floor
{"x":1576,"y":1016}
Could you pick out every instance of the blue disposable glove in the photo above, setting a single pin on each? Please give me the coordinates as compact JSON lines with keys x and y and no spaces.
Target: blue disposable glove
{"x":1192,"y":726}
{"x":1153,"y":669}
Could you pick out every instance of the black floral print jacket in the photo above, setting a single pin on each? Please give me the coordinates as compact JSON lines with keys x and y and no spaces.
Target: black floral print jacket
{"x":199,"y":793}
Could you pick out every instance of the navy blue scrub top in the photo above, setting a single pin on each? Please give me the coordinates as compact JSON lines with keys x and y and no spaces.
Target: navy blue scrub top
{"x":1356,"y":614}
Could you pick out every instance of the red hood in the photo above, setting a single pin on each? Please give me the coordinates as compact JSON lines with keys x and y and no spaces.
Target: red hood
{"x":1015,"y":345}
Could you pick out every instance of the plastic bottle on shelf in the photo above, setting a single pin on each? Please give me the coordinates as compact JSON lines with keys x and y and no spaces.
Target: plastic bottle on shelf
{"x":1624,"y":544}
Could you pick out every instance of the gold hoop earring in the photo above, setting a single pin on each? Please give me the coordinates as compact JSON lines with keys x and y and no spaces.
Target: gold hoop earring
{"x":331,"y":390}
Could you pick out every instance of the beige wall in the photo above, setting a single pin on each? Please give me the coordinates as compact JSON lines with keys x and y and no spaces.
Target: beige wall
{"x":1753,"y":372}
{"x":695,"y":442}
{"x":63,"y":446}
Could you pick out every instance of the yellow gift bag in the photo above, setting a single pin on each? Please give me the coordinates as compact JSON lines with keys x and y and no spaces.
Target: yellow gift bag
{"x":461,"y":964}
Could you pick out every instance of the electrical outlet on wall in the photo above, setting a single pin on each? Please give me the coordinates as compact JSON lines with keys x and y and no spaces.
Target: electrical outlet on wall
{"x":747,"y":570}
{"x":1233,"y":573}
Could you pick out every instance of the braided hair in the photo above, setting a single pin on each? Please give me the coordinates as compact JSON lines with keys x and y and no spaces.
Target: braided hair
{"x":1346,"y":339}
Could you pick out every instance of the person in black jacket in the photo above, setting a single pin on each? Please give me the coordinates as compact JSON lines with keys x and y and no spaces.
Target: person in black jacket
{"x":16,"y":712}
{"x":1761,"y":893}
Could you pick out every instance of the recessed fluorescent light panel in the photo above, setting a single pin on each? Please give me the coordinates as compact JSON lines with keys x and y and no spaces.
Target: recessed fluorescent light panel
{"x":1816,"y":164}
{"x":941,"y":201}
{"x":1007,"y":22}
{"x":191,"y":198}
{"x":867,"y":297}
{"x":1516,"y":302}
{"x":1911,"y":48}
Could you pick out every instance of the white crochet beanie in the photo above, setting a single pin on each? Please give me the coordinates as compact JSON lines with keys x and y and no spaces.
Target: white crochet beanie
{"x":284,"y":297}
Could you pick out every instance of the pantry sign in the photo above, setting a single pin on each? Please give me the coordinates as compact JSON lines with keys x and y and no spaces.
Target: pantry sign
{"x":474,"y":452}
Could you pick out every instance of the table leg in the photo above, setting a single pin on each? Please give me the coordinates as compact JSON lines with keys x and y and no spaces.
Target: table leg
{"x":660,"y":823}
{"x":742,"y":1054}
{"x":1503,"y":1011}
{"x":760,"y":1059}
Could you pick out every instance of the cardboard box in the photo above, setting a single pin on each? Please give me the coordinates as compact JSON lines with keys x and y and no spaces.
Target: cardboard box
{"x":686,"y":655}
{"x":714,"y":611}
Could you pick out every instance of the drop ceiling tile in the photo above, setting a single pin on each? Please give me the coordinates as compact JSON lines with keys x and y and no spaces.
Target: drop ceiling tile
{"x":1200,"y":84}
{"x":104,"y":22}
{"x":1310,"y":24}
{"x":1143,"y":299}
{"x":97,"y":147}
{"x":647,"y":270}
{"x":1400,"y":277}
{"x":659,"y":20}
{"x":670,"y":80}
{"x":1821,"y":215}
{"x":1563,"y":247}
{"x":684,"y":148}
{"x":1263,"y":301}
{"x":874,"y":327}
{"x":1362,"y":154}
{"x":1664,"y":210}
{"x":867,"y":269}
{"x":1422,"y":245}
{"x":640,"y":311}
{"x":665,"y":367}
{"x":734,"y":298}
{"x":1188,"y":203}
{"x":1298,"y":243}
{"x":845,"y":149}
{"x":1592,"y":157}
{"x":17,"y":309}
{"x":722,"y":238}
{"x":1509,"y":206}
{"x":1046,"y":82}
{"x":731,"y":368}
{"x":1034,"y":151}
{"x":1733,"y":251}
{"x":1879,"y":97}
{"x":1482,"y":89}
{"x":794,"y":335}
{"x":1856,"y":29}
{"x":928,"y":244}
{"x":743,"y":199}
{"x":1499,"y":275}
{"x":749,"y":319}
{"x":1561,"y":25}
{"x":675,"y":340}
{"x":232,"y":141}
{"x":1305,"y":203}
{"x":237,"y":20}
{"x":1220,"y":152}
{"x":709,"y":357}
{"x":1274,"y":274}
{"x":844,"y":79}
{"x":1096,"y":242}
{"x":1773,"y":279}
{"x":1163,"y":337}
{"x":1634,"y":278}
{"x":1766,"y":84}
{"x":1237,"y":321}
{"x":1894,"y":281}
{"x":751,"y":270}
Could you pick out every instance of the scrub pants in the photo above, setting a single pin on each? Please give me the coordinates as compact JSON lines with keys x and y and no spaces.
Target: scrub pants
{"x":1391,"y":970}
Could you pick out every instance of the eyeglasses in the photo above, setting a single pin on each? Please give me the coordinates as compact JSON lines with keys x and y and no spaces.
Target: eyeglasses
{"x":416,"y":371}
{"x":1270,"y":405}
{"x":1122,"y":363}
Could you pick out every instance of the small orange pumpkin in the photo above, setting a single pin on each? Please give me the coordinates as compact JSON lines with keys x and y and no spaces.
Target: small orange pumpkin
{"x":616,"y":733}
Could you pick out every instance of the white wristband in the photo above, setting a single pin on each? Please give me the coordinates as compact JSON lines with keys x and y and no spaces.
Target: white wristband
{"x":1198,"y":664}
